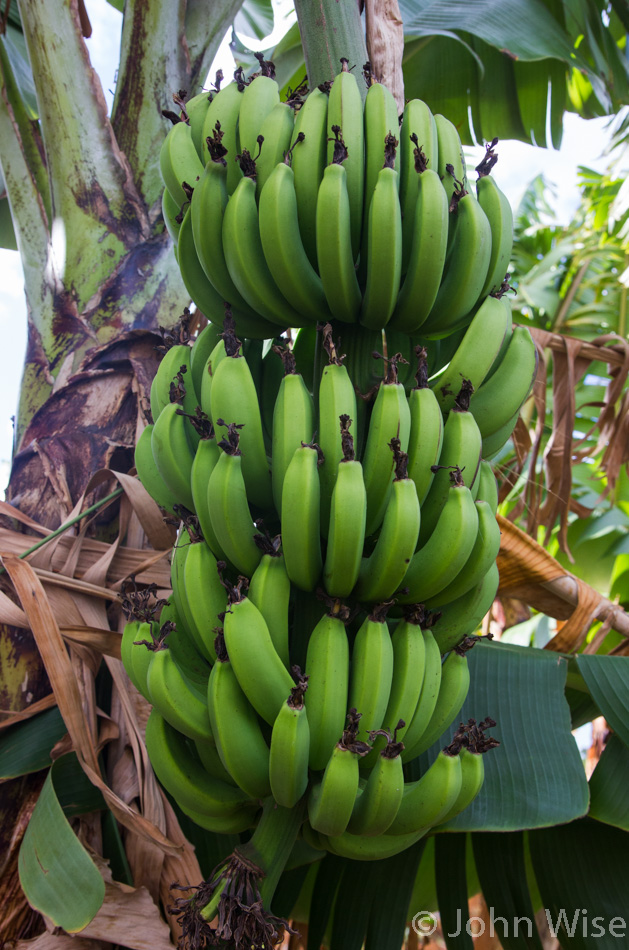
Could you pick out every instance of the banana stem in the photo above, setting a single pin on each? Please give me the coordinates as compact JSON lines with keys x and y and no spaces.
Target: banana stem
{"x":272,"y":843}
{"x":330,"y":30}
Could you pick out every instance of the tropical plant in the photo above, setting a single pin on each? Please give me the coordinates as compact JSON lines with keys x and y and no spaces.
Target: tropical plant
{"x":84,"y":191}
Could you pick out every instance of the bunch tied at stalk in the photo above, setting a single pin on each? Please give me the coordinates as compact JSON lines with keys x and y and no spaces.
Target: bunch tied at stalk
{"x":337,"y":537}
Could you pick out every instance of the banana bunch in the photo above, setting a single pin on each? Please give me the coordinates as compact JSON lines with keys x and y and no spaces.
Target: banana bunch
{"x":320,"y":208}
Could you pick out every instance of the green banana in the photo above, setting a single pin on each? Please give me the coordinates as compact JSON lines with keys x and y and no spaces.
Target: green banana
{"x":231,"y":519}
{"x":196,"y":109}
{"x":390,"y":419}
{"x":183,"y":646}
{"x":300,"y":517}
{"x":455,"y":684}
{"x":381,"y":121}
{"x":175,"y":357}
{"x":211,"y":761}
{"x":149,"y":474}
{"x":199,"y":288}
{"x":242,"y":819}
{"x":424,"y":236}
{"x":334,"y":248}
{"x":348,"y":512}
{"x":345,"y":113}
{"x":463,"y":616}
{"x":383,"y":248}
{"x":450,"y":153}
{"x":176,"y":697}
{"x":217,"y":354}
{"x":233,"y":399}
{"x":172,"y":453}
{"x":501,"y":397}
{"x":475,"y":354}
{"x":487,"y":486}
{"x":494,"y":443}
{"x":465,"y":270}
{"x":290,"y":746}
{"x":383,"y":571}
{"x":205,"y":459}
{"x":336,"y":398}
{"x":224,"y":110}
{"x":417,"y":132}
{"x":378,"y":803}
{"x":180,"y":771}
{"x":309,"y":160}
{"x":496,"y":206}
{"x":442,"y":557}
{"x":136,"y":652}
{"x":371,"y":675}
{"x":260,"y":97}
{"x":293,"y":422}
{"x":270,"y":592}
{"x":240,"y":743}
{"x":474,"y":744}
{"x":428,"y":694}
{"x":284,"y":251}
{"x":361,"y":848}
{"x":482,"y":556}
{"x":170,"y":211}
{"x":179,"y":162}
{"x":245,"y":259}
{"x":276,"y":132}
{"x":331,"y":801}
{"x":461,"y":449}
{"x":426,"y":436}
{"x":204,"y":594}
{"x":327,"y":669}
{"x":258,"y":666}
{"x":201,"y":349}
{"x":427,"y":800}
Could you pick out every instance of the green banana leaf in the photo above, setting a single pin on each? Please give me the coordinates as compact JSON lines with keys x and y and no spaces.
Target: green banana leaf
{"x":57,"y":874}
{"x":450,"y":871}
{"x":535,"y":778}
{"x":607,"y":678}
{"x":255,"y":18}
{"x":26,"y":747}
{"x":581,"y":872}
{"x":608,"y":785}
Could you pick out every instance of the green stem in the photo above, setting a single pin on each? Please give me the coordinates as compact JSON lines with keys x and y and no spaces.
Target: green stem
{"x":68,"y":524}
{"x":272,"y":843}
{"x":330,"y":30}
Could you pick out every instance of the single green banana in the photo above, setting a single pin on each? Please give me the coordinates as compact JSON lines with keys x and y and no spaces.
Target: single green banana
{"x":270,"y":592}
{"x":205,"y":459}
{"x":429,"y":693}
{"x":327,"y":669}
{"x":493,"y":444}
{"x":390,"y":419}
{"x":378,"y":803}
{"x":175,"y":357}
{"x":199,"y":288}
{"x":482,"y":556}
{"x":241,"y":820}
{"x":472,"y":778}
{"x":170,"y":211}
{"x":465,"y":270}
{"x":293,"y":422}
{"x":501,"y":397}
{"x":371,"y":675}
{"x":240,"y":743}
{"x":230,"y":516}
{"x":348,"y":513}
{"x":201,"y":349}
{"x":427,"y":800}
{"x":496,"y":206}
{"x":283,"y":248}
{"x":245,"y":259}
{"x":134,"y":653}
{"x":276,"y":132}
{"x":383,"y":250}
{"x":475,"y":354}
{"x":487,"y":486}
{"x":183,"y":646}
{"x":443,"y":556}
{"x":211,"y":760}
{"x":179,"y":162}
{"x":260,"y":97}
{"x":331,"y":801}
{"x":300,"y":516}
{"x":204,"y":594}
{"x":418,"y":131}
{"x":462,"y":617}
{"x":361,"y":848}
{"x":504,"y":300}
{"x":172,"y":453}
{"x":149,"y":474}
{"x":176,"y":697}
{"x":336,"y":398}
{"x":461,"y":449}
{"x":180,"y":771}
{"x":334,"y":248}
{"x":455,"y":684}
{"x":224,"y":110}
{"x":425,"y":234}
{"x":450,"y":153}
{"x":180,"y":552}
{"x":217,"y":354}
{"x":258,"y":666}
{"x":196,"y":109}
{"x":345,"y":113}
{"x":381,"y":120}
{"x":290,"y":746}
{"x":382,"y":573}
{"x":234,"y":399}
{"x":309,"y":161}
{"x":426,"y":437}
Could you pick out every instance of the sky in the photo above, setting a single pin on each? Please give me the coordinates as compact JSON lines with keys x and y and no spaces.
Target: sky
{"x":583,"y":143}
